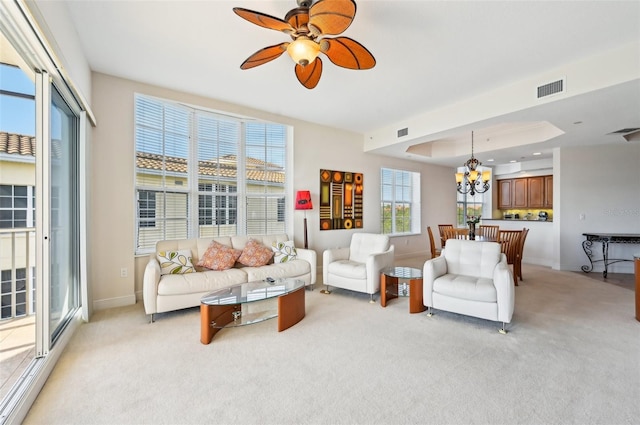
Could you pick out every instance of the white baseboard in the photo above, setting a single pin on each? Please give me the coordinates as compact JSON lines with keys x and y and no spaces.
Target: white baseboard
{"x":626,"y":267}
{"x":411,"y":255}
{"x":114,"y":302}
{"x":547,"y":262}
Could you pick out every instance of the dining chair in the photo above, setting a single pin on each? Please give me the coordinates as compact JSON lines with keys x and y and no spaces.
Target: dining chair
{"x":490,"y":232}
{"x":517,"y":268}
{"x":509,"y":240}
{"x":441,"y":229}
{"x":432,"y":244}
{"x":455,"y":233}
{"x":462,"y":233}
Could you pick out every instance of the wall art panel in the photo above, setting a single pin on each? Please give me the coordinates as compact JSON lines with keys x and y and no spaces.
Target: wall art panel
{"x":340,"y":200}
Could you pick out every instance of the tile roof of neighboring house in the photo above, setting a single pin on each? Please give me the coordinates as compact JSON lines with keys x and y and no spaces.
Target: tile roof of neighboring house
{"x":17,"y":144}
{"x":226,"y":167}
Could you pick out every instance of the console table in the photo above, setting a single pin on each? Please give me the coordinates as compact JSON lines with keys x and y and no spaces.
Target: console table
{"x":605,"y":239}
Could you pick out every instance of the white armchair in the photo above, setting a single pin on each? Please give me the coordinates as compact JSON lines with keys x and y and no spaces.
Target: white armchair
{"x":470,"y":278}
{"x":357,"y":268}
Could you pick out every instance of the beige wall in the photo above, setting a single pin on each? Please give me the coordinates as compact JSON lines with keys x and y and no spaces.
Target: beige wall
{"x":315,"y":147}
{"x":596,"y":190}
{"x":18,"y":173}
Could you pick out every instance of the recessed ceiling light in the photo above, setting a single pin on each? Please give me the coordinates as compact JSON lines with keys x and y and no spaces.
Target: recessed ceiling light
{"x":537,"y":153}
{"x":513,"y":160}
{"x":490,"y":160}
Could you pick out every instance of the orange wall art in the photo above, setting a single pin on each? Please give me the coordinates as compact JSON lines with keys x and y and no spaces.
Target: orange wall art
{"x":340,"y":200}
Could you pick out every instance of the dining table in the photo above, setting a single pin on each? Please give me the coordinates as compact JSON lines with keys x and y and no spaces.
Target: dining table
{"x":477,"y":238}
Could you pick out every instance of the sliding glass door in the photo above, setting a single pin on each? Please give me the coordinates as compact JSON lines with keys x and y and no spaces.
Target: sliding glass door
{"x":40,"y":207}
{"x":63,"y":218}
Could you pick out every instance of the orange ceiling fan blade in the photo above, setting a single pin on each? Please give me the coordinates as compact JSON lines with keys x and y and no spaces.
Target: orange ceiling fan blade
{"x":264,"y":20}
{"x":347,"y":53}
{"x":265,"y":55}
{"x":331,"y":17}
{"x":309,"y":75}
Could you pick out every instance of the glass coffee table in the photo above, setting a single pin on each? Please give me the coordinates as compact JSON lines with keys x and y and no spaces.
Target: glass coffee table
{"x":389,"y":286}
{"x":252,"y":302}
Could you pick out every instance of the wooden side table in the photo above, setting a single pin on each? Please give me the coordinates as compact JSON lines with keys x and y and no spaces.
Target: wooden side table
{"x":389,"y":286}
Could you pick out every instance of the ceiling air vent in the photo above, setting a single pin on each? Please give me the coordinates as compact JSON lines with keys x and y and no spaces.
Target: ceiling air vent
{"x":630,"y":134}
{"x":403,"y":132}
{"x":548,"y":89}
{"x":625,"y":130}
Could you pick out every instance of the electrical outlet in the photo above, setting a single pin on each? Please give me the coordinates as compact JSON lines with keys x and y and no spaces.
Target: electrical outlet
{"x":582,"y":216}
{"x":124,"y":272}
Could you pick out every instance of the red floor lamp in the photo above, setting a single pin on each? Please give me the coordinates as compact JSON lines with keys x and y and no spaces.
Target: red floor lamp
{"x":303,"y":202}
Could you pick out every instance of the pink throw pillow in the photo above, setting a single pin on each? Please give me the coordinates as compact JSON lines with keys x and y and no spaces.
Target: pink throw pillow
{"x":219,"y":257}
{"x":255,"y":254}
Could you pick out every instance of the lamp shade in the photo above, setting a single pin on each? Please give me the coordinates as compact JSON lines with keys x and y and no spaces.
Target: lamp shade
{"x":303,"y":50}
{"x":303,"y":200}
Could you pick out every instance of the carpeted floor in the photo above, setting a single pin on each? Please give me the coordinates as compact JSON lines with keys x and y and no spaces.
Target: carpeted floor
{"x":572,"y":356}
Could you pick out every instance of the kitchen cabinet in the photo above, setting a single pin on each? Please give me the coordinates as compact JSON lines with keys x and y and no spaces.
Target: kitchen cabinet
{"x":519,"y":195}
{"x":535,"y":192}
{"x":523,"y":193}
{"x":504,"y":194}
{"x":548,"y":192}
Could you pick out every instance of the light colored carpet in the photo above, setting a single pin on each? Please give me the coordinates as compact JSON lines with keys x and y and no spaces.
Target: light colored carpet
{"x":572,"y":355}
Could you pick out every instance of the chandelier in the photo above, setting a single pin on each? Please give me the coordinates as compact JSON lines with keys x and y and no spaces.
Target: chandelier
{"x":473,"y":181}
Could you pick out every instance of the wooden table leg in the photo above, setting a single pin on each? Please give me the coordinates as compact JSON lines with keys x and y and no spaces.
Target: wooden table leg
{"x":291,"y":309}
{"x":416,"y":304}
{"x":388,"y":289}
{"x":220,"y":314}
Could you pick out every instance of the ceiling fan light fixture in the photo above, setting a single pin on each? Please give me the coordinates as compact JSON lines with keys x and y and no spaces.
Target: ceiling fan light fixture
{"x":303,"y":50}
{"x":309,"y":25}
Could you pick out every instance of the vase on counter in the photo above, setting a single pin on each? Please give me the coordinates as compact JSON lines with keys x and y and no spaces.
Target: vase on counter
{"x":472,"y":230}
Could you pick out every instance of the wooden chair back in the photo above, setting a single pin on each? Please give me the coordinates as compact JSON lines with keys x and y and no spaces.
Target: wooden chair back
{"x":441,"y":229}
{"x":455,"y":233}
{"x":432,"y":244}
{"x":517,"y":268}
{"x":509,"y":243}
{"x":490,"y":232}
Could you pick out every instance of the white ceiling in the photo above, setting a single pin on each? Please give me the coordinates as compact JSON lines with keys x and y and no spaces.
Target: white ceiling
{"x":429,"y":54}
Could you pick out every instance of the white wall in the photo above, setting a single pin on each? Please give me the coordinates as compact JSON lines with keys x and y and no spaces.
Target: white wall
{"x":315,"y":147}
{"x":55,"y":22}
{"x":603,"y":183}
{"x":537,"y":246}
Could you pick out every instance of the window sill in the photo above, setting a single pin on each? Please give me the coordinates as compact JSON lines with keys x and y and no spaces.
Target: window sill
{"x":402,"y":235}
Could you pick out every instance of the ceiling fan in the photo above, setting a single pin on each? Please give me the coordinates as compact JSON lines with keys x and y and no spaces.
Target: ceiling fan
{"x":308,"y":25}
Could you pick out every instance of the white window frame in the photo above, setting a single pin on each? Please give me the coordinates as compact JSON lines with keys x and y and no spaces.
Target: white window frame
{"x":408,"y":183}
{"x":244,"y":195}
{"x":29,"y":209}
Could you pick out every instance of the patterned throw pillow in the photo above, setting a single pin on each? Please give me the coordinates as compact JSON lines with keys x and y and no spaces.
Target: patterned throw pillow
{"x":284,"y":251}
{"x":175,"y":262}
{"x":219,"y":257}
{"x":255,"y":254}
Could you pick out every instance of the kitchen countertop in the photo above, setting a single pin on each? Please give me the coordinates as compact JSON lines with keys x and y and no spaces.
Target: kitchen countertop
{"x":517,"y":219}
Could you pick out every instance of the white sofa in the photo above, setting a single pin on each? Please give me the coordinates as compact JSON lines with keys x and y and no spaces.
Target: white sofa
{"x":162,"y":293}
{"x":357,"y":267}
{"x":470,"y":278}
